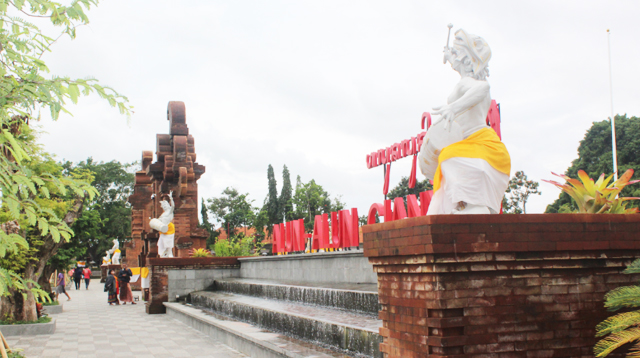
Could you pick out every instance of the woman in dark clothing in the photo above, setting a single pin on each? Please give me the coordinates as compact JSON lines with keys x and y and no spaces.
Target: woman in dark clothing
{"x":77,"y":277}
{"x":125,"y":290}
{"x":111,"y":286}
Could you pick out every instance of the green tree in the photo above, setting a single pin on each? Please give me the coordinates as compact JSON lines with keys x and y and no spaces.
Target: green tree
{"x":232,"y":210}
{"x":25,"y":90}
{"x":402,"y":189}
{"x":364,"y":219}
{"x":260,"y":222}
{"x":285,"y":203}
{"x":623,"y":328}
{"x":206,"y":224}
{"x":30,"y":262}
{"x":518,"y":192}
{"x":114,"y":182}
{"x":271,"y":204}
{"x":310,"y":199}
{"x":595,"y":158}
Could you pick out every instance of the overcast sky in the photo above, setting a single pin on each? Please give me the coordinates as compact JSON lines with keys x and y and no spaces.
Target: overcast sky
{"x":318,"y":85}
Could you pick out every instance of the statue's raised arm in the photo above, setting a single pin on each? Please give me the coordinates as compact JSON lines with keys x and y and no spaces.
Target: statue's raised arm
{"x":171,"y":203}
{"x":465,"y":159}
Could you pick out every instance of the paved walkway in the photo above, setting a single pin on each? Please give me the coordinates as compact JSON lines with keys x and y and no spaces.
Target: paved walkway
{"x":90,"y":328}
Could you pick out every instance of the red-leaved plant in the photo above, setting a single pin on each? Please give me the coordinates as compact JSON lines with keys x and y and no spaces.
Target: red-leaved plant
{"x":596,"y":197}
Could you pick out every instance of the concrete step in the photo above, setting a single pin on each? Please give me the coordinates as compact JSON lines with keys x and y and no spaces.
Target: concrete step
{"x":247,"y":338}
{"x":351,"y":297}
{"x":350,"y":332}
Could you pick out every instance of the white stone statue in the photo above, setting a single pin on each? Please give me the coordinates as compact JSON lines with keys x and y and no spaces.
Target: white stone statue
{"x":471,"y":174}
{"x":106,"y":260}
{"x":166,"y":228}
{"x":115,"y":252}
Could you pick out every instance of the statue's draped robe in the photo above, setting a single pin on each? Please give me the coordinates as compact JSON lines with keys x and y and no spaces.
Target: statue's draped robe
{"x":474,"y":170}
{"x":166,"y":239}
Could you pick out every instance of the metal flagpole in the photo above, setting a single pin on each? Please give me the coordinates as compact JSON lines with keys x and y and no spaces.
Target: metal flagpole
{"x":613,"y":119}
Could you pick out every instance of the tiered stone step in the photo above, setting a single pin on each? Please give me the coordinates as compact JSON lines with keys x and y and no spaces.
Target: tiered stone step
{"x":247,"y":338}
{"x":351,"y":297}
{"x":342,"y":317}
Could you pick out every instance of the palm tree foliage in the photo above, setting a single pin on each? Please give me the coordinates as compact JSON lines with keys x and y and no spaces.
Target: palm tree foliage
{"x":623,"y":328}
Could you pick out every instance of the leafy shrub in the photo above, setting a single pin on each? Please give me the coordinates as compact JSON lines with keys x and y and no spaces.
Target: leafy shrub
{"x":200,"y":253}
{"x":623,"y":328}
{"x":597,"y":198}
{"x":237,"y":246}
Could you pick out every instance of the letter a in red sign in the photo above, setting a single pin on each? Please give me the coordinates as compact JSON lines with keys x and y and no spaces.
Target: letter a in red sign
{"x":317,"y":227}
{"x":335,"y":231}
{"x":325,"y":225}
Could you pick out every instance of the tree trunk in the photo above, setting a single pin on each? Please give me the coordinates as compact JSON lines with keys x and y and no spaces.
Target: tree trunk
{"x":11,"y":306}
{"x":27,"y":310}
{"x":43,"y":280}
{"x":24,"y":309}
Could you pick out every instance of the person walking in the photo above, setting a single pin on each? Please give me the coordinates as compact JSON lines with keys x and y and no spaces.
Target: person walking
{"x":60,"y":287}
{"x":125,"y":289}
{"x":77,"y":277}
{"x":111,"y":286}
{"x":86,"y":273}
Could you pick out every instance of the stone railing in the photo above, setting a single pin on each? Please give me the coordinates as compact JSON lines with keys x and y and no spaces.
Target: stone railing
{"x":171,"y":277}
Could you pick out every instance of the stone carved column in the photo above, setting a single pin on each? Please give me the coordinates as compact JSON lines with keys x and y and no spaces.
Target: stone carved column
{"x":175,"y":169}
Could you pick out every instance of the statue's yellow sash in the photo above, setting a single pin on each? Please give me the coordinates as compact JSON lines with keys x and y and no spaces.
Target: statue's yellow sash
{"x":172,"y":230}
{"x":116,"y":250}
{"x":484,"y":144}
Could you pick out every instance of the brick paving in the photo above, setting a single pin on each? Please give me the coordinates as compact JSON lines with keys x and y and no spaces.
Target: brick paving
{"x":90,"y":328}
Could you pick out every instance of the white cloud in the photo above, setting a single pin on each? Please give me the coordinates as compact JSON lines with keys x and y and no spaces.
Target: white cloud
{"x":318,"y":85}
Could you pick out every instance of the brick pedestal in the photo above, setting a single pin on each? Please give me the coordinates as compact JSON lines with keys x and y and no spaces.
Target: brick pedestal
{"x":498,"y":285}
{"x":134,"y":249}
{"x":159,"y":267}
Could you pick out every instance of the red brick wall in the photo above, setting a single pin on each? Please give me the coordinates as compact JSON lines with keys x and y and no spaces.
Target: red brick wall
{"x":498,"y":285}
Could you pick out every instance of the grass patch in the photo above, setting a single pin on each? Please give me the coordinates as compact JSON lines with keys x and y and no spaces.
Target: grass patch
{"x":40,"y":320}
{"x":52,"y":303}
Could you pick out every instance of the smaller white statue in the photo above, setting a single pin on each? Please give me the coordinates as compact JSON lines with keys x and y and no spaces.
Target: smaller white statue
{"x":106,"y":260}
{"x":166,"y":228}
{"x":115,"y":251}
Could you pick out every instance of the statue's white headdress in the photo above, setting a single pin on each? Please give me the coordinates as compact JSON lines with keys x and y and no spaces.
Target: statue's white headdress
{"x":477,"y":47}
